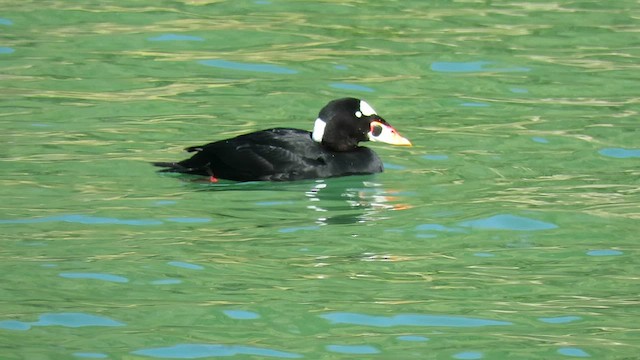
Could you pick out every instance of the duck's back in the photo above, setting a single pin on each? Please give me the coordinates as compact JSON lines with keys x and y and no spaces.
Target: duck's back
{"x":278,"y":154}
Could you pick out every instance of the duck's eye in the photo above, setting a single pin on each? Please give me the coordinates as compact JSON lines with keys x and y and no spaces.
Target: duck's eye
{"x":358,"y":114}
{"x":376,"y":129}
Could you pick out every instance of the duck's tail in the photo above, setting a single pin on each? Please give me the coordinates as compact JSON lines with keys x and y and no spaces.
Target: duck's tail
{"x":172,"y":167}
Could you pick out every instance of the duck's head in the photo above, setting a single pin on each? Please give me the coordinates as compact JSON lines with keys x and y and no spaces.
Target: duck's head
{"x":343,"y":123}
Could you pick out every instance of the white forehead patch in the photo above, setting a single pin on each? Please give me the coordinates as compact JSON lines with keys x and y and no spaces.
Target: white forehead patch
{"x":318,"y":130}
{"x":366,"y":109}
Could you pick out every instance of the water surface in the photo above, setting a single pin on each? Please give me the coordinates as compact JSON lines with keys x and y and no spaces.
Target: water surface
{"x":509,"y":230}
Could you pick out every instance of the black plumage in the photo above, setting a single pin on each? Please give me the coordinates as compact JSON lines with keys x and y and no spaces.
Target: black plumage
{"x":283,"y":154}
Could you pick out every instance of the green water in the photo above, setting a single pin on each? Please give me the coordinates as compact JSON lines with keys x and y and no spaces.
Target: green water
{"x":509,"y":230}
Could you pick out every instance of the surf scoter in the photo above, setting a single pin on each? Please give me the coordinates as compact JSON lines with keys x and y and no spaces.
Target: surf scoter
{"x":283,"y":154}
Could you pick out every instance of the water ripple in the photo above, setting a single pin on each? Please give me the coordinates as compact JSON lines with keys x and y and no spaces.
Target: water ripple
{"x":195,"y":351}
{"x":95,"y":276}
{"x":409,"y":320}
{"x":241,"y":314}
{"x":175,"y":37}
{"x":72,"y":320}
{"x":472,"y":66}
{"x":605,"y":252}
{"x":508,"y":222}
{"x":437,"y":227}
{"x":298,"y":228}
{"x":620,"y":153}
{"x":353,"y":349}
{"x":560,"y":319}
{"x":436,"y":157}
{"x":14,"y":325}
{"x":475,"y":104}
{"x":91,"y":220}
{"x":352,"y":87}
{"x":468,"y":355}
{"x":224,"y":64}
{"x":188,"y":220}
{"x":484,"y":254}
{"x":574,"y":352}
{"x":81,"y":219}
{"x":185,"y":265}
{"x":519,"y":90}
{"x":166,"y":282}
{"x":90,"y":355}
{"x":412,"y":338}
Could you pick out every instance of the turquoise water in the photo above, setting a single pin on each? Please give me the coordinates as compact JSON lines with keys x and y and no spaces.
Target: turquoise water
{"x":509,"y":230}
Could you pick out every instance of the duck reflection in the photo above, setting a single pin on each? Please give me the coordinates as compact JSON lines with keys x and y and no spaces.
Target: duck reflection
{"x":351,"y":201}
{"x":345,"y":200}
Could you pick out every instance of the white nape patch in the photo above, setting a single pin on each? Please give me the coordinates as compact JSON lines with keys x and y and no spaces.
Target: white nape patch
{"x":358,"y":114}
{"x":318,"y":130}
{"x":366,"y":109}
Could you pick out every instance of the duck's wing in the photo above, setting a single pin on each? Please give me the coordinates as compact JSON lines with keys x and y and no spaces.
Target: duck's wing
{"x":274,"y":154}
